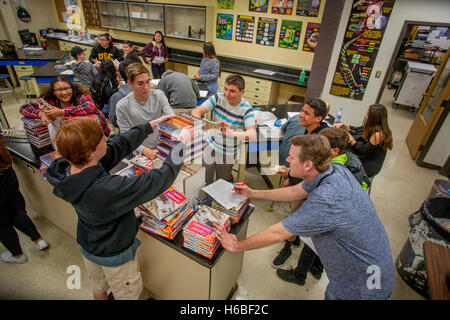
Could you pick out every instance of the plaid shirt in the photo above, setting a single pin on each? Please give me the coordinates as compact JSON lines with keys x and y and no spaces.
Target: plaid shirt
{"x":86,"y":107}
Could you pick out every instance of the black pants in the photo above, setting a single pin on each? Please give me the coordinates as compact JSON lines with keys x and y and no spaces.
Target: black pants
{"x":158,"y":70}
{"x":308,"y":260}
{"x":13,"y":214}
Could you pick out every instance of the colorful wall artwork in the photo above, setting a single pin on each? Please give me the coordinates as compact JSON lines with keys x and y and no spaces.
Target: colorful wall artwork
{"x":224,"y":26}
{"x":290,"y":34}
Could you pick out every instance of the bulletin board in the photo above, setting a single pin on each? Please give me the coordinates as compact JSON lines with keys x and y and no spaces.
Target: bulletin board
{"x":362,"y":40}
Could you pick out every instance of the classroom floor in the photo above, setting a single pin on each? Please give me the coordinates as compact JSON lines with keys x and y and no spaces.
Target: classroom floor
{"x":397,"y":192}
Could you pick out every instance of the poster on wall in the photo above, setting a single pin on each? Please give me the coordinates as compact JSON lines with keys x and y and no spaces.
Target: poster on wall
{"x":311,"y":37}
{"x":362,"y":40}
{"x":282,"y":6}
{"x":244,"y":28}
{"x":290,"y":34}
{"x":225,"y":4}
{"x":265,"y":34}
{"x":308,"y":8}
{"x":224,"y":26}
{"x":258,"y":5}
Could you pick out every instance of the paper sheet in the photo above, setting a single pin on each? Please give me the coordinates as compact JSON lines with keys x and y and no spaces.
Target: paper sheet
{"x":222,"y":192}
{"x":203,"y":93}
{"x":116,"y":63}
{"x":67,"y":72}
{"x":291,"y":114}
{"x":263,"y":71}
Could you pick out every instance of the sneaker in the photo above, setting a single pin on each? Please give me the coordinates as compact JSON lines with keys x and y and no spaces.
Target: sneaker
{"x":289,"y":276}
{"x":316,"y":273}
{"x":296,"y":242}
{"x":284,"y":254}
{"x":42,"y":244}
{"x":7,"y":257}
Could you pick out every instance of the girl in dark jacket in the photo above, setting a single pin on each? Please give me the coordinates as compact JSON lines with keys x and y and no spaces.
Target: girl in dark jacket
{"x":105,"y":85}
{"x":13,"y":214}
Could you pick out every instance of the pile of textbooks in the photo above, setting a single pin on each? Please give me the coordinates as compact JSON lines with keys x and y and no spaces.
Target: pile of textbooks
{"x":166,"y":214}
{"x":199,"y":235}
{"x":236,"y":212}
{"x":168,"y":135}
{"x":14,"y":135}
{"x":47,"y":159}
{"x":37,"y":133}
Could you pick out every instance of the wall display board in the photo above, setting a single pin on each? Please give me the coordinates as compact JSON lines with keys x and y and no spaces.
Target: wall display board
{"x":265,"y":34}
{"x":308,"y":8}
{"x":290,"y":34}
{"x":311,"y":37}
{"x":258,"y":5}
{"x":224,"y":26}
{"x":244,"y":28}
{"x":362,"y":40}
{"x":225,"y":4}
{"x":282,"y":6}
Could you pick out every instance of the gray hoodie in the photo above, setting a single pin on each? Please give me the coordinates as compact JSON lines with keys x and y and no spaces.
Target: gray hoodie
{"x":179,"y":89}
{"x":124,"y":90}
{"x":85,"y":72}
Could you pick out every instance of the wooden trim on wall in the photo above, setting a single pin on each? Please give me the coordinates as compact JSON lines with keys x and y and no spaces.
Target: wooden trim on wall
{"x":328,"y":29}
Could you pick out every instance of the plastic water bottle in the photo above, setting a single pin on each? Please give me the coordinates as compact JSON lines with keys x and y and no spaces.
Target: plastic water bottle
{"x":302,"y":77}
{"x":339,"y":116}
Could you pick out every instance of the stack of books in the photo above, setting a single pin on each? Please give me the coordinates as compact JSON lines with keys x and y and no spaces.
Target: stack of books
{"x":236,"y":212}
{"x":170,"y":225}
{"x":165,"y":204}
{"x":47,"y":159}
{"x":142,"y":162}
{"x":168,"y":135}
{"x":199,"y":235}
{"x":14,"y":135}
{"x":37,"y":133}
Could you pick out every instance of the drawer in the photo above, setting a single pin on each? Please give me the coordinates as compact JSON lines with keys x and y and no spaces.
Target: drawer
{"x":257,"y":96}
{"x":191,"y":70}
{"x":255,"y":102}
{"x":257,"y":89}
{"x":24,"y":69}
{"x":256,"y":82}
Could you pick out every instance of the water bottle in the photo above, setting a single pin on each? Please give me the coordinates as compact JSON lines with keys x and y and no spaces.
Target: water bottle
{"x":339,"y":116}
{"x":302,"y":77}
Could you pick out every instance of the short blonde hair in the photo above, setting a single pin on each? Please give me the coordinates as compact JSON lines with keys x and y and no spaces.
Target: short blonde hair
{"x":135,"y":69}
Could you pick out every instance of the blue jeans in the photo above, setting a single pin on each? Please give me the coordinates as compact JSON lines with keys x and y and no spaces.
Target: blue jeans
{"x":213,"y":87}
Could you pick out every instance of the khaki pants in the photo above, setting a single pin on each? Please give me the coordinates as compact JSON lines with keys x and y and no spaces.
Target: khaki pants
{"x":125,"y":281}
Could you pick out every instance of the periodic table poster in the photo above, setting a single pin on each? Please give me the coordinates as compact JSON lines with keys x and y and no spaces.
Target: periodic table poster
{"x":224,"y":26}
{"x":265,"y":34}
{"x":244,"y":28}
{"x":290,"y":34}
{"x":362,"y":40}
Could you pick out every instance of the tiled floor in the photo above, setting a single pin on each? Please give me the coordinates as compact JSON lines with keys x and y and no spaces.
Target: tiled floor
{"x":398,"y":191}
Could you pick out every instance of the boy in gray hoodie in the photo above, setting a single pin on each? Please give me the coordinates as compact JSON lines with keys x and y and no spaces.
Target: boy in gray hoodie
{"x":82,"y":69}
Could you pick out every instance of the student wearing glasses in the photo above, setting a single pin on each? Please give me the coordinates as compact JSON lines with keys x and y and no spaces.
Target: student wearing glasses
{"x":68,"y":100}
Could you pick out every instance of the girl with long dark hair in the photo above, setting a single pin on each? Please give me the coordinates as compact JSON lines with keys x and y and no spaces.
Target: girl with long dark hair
{"x":371,"y":141}
{"x":105,"y":85}
{"x":159,"y":54}
{"x":13,"y":214}
{"x":67,"y":99}
{"x":210,"y":68}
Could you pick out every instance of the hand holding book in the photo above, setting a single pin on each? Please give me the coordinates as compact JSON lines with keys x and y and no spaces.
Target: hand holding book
{"x":228,"y":241}
{"x":186,"y":136}
{"x":155,"y":122}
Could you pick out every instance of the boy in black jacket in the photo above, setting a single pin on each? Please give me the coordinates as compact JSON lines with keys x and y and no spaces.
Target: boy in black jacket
{"x":107,"y":225}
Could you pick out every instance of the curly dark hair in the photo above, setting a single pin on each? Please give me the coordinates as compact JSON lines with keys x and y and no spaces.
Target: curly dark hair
{"x":106,"y":75}
{"x":78,"y":90}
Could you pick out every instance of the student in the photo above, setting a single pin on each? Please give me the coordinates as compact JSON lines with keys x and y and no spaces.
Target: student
{"x":123,"y":91}
{"x":13,"y":213}
{"x":210,"y":68}
{"x":311,"y":120}
{"x":142,"y":105}
{"x":373,"y":139}
{"x":181,"y":91}
{"x":83,"y":70}
{"x":105,"y":85}
{"x":131,"y":53}
{"x":338,"y":138}
{"x":337,"y":215}
{"x":104,"y":203}
{"x":238,"y":124}
{"x":104,"y":50}
{"x":68,"y":99}
{"x":158,"y":54}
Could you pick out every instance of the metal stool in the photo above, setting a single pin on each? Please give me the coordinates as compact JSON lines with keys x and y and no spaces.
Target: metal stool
{"x":5,"y":78}
{"x":27,"y":91}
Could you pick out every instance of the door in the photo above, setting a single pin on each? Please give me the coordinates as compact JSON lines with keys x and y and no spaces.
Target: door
{"x":430,"y":109}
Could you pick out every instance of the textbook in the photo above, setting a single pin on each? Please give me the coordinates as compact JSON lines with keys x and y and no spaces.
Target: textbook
{"x":165,"y":204}
{"x":37,"y":133}
{"x":236,"y":212}
{"x":142,"y":162}
{"x":46,"y":160}
{"x":199,"y":235}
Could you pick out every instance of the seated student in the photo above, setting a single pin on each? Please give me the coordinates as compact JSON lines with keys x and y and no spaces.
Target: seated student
{"x":131,"y":53}
{"x":104,"y":50}
{"x":337,"y":215}
{"x":123,"y":91}
{"x":373,"y":139}
{"x":104,"y":203}
{"x":238,"y":124}
{"x":105,"y":85}
{"x":68,"y":99}
{"x":142,"y":105}
{"x":83,"y":70}
{"x":179,"y":89}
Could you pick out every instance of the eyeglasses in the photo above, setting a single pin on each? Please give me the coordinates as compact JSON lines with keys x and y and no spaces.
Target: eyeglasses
{"x":63,"y":89}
